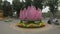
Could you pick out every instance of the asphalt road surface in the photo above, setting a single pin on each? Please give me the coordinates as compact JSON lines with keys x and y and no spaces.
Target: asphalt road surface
{"x":6,"y":29}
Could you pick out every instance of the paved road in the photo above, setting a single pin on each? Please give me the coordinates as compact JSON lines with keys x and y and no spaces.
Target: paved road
{"x":6,"y":29}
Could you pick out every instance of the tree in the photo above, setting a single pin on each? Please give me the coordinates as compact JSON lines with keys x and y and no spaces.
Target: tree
{"x":53,"y":7}
{"x":7,"y":8}
{"x":17,"y":6}
{"x":38,"y":3}
{"x":28,"y":3}
{"x":53,"y":4}
{"x":0,"y":4}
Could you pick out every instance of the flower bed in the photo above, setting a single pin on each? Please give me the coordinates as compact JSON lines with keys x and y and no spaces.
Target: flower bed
{"x":31,"y":25}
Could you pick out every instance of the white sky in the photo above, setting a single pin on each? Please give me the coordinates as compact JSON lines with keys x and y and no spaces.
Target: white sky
{"x":44,"y":10}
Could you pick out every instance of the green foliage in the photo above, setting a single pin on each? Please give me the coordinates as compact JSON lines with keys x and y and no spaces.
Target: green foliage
{"x":0,"y":1}
{"x":21,"y":5}
{"x":38,"y":3}
{"x":16,"y":4}
{"x":28,"y":3}
{"x":53,"y":4}
{"x":0,"y":4}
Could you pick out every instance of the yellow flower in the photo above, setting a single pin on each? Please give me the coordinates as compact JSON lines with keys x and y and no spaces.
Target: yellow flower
{"x":42,"y":24}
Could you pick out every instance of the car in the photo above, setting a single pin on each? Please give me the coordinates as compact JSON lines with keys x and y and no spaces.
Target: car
{"x":53,"y":21}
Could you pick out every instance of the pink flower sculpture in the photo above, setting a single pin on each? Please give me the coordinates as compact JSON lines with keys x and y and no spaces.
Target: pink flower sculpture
{"x":30,"y":14}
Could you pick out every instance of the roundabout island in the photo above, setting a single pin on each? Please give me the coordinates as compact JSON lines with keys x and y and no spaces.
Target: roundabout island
{"x":31,"y":18}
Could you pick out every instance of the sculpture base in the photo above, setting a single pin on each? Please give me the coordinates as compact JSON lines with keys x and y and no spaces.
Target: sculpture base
{"x":31,"y":25}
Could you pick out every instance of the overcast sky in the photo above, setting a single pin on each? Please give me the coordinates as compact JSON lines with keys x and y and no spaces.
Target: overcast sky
{"x":44,"y":10}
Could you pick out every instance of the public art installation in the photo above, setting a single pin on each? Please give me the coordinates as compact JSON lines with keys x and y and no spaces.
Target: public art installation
{"x":31,"y":17}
